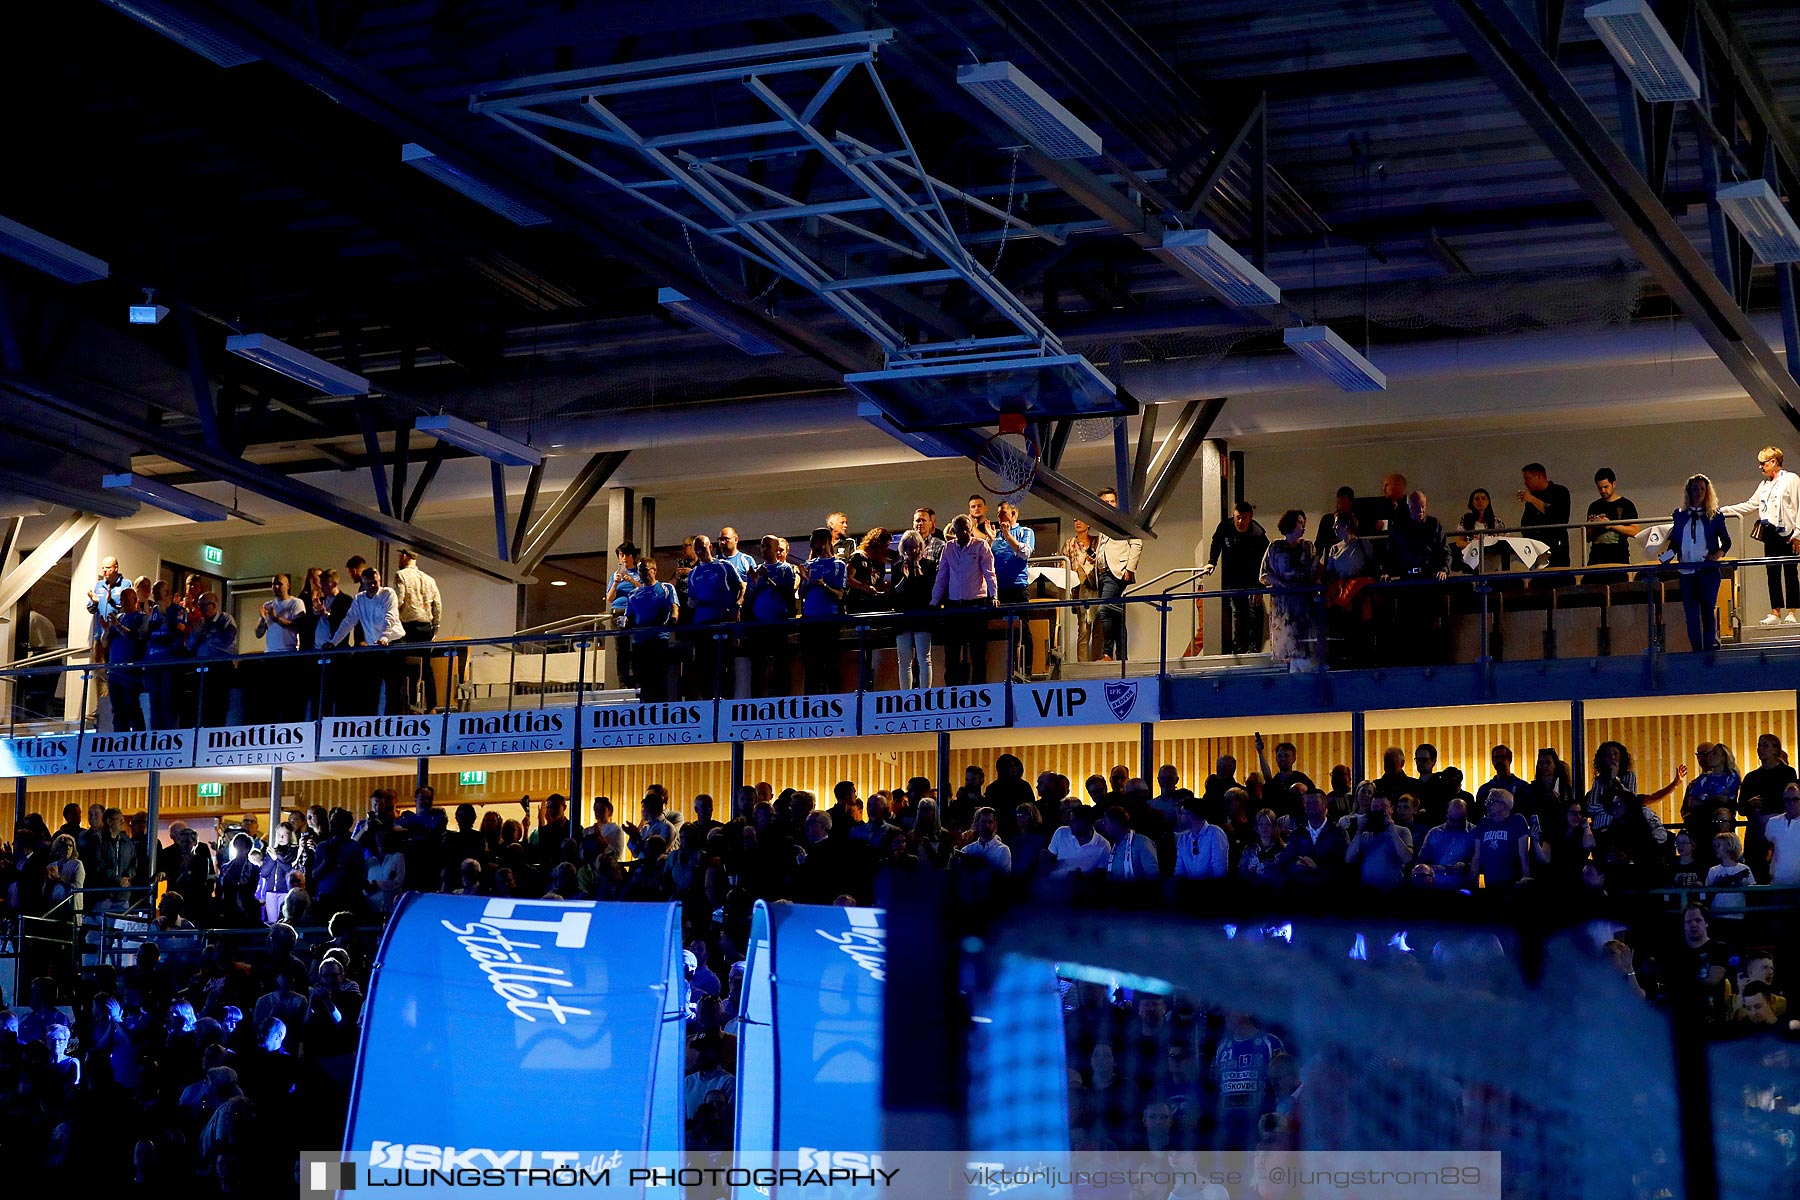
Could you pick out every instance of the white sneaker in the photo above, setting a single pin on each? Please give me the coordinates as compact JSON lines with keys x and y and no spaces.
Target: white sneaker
{"x":1792,"y":618}
{"x":1773,"y":618}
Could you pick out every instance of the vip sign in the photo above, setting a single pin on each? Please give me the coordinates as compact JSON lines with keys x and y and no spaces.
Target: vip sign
{"x":164,"y":750}
{"x":38,"y":755}
{"x":255,"y":745}
{"x":607,"y":725}
{"x":1087,"y":702}
{"x":929,"y":709}
{"x":786,"y":718}
{"x":380,"y":737}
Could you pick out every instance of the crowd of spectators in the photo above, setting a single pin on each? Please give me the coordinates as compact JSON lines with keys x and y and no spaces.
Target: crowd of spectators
{"x":241,"y":1005}
{"x":150,"y":641}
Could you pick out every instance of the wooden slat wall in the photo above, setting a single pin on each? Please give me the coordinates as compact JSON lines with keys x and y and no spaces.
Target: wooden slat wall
{"x":1195,"y":757}
{"x":625,"y":783}
{"x":1658,"y":744}
{"x":872,"y":771}
{"x":1469,"y":748}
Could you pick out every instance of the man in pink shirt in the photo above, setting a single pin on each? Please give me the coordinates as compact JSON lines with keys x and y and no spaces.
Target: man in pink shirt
{"x":965,"y":579}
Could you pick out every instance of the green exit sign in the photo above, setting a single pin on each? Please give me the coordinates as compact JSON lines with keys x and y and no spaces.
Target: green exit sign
{"x":212,"y":790}
{"x":472,"y":779}
{"x":214,"y":556}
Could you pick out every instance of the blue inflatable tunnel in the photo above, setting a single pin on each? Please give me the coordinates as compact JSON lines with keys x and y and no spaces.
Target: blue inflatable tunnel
{"x":526,"y":1034}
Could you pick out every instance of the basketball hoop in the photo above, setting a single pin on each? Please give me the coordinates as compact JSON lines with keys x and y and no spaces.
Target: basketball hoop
{"x":1008,"y":461}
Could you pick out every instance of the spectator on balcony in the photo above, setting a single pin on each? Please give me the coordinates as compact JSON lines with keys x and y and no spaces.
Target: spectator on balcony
{"x":841,"y":545}
{"x":823,"y":583}
{"x":127,"y":637}
{"x":915,"y":577}
{"x":238,"y":906}
{"x":165,"y":641}
{"x":1347,"y":570}
{"x":1479,"y":518}
{"x":1392,"y":507}
{"x":979,"y":525}
{"x":965,"y":581}
{"x":421,"y":614}
{"x":1238,"y":548}
{"x":214,"y":639}
{"x":866,"y":574}
{"x":1115,"y":565}
{"x":1716,"y":785}
{"x":105,"y":600}
{"x":1697,"y":541}
{"x":331,"y":610}
{"x":1608,"y":541}
{"x":727,"y":549}
{"x":924,"y":523}
{"x":375,"y":614}
{"x":1730,"y":871}
{"x":1563,"y":846}
{"x":1546,"y":505}
{"x":271,"y":692}
{"x":652,"y":613}
{"x":1084,"y":583}
{"x":772,"y":595}
{"x":1415,"y":553}
{"x":1775,"y":505}
{"x":986,"y":845}
{"x":1381,"y":846}
{"x":1342,"y":505}
{"x":1013,"y":545}
{"x":1288,"y":566}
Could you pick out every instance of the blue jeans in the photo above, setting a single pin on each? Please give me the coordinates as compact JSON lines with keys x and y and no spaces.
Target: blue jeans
{"x":1700,"y":600}
{"x":913,"y":664}
{"x":1111,"y":617}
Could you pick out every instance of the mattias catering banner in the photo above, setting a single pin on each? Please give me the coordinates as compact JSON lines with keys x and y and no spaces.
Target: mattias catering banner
{"x":525,"y":1034}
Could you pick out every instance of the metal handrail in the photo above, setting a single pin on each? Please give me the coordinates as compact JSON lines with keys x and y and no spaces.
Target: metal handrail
{"x":46,"y":657}
{"x":1188,"y":574}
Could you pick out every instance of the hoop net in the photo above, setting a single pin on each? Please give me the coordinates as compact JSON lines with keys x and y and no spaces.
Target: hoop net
{"x":1008,"y":464}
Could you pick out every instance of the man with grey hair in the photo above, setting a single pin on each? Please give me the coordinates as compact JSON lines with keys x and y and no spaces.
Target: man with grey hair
{"x":105,"y":601}
{"x":1502,"y":843}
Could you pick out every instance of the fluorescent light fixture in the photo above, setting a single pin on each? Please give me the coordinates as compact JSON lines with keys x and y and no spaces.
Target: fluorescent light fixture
{"x":295,"y":363}
{"x":476,"y":440}
{"x":179,"y":27}
{"x":559,"y":583}
{"x":1226,"y":271}
{"x":48,"y":255}
{"x":1644,"y":50}
{"x":166,"y":497}
{"x":1333,"y":356}
{"x":40,"y":488}
{"x":480,"y":191}
{"x":1763,"y":219}
{"x":1032,"y":112}
{"x":719,"y":324}
{"x":148,"y":314}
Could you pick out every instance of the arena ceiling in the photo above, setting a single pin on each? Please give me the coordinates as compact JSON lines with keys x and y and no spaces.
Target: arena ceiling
{"x":1427,"y":169}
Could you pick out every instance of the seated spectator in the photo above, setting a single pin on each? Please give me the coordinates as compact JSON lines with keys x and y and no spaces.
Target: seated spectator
{"x":1077,"y":846}
{"x":1201,"y":848}
{"x":1256,"y":862}
{"x":1133,"y":855}
{"x":986,"y":845}
{"x":1447,"y":859}
{"x":1315,"y":854}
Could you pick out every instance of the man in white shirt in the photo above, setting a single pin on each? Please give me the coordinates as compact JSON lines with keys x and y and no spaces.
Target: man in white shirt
{"x":421,"y":612}
{"x":1775,"y":506}
{"x":987,"y":844}
{"x":375,"y":611}
{"x":1077,"y":846}
{"x":1783,"y":832}
{"x":1115,"y":564}
{"x":274,"y":697}
{"x":1201,"y":849}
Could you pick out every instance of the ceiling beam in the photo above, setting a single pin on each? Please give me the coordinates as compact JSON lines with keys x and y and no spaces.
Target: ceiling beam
{"x":107,"y":414}
{"x":1177,"y":454}
{"x":562,"y":512}
{"x":463,"y":139}
{"x":1530,"y":79}
{"x":16,"y":582}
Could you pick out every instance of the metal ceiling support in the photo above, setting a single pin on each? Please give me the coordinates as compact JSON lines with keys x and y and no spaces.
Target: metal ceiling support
{"x":1146,"y":448}
{"x":433,"y":461}
{"x":455,"y":138}
{"x":527,"y":505}
{"x":365,"y":417}
{"x":1752,"y":86}
{"x":562,"y":512}
{"x":10,"y":542}
{"x":16,"y":582}
{"x":402,"y":460}
{"x":497,"y":474}
{"x":1121,"y":464}
{"x":70,"y":495}
{"x":1191,"y":427}
{"x":1203,"y":191}
{"x":204,"y":404}
{"x":1512,"y":58}
{"x":1059,"y":442}
{"x":106,"y":414}
{"x":886,"y":205}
